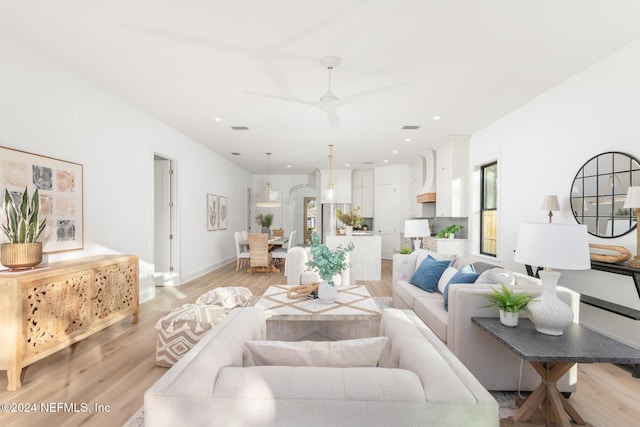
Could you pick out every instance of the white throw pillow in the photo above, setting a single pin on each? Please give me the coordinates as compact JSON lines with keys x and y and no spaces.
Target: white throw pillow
{"x":444,"y":279}
{"x":337,"y":354}
{"x":497,"y":276}
{"x":423,"y":254}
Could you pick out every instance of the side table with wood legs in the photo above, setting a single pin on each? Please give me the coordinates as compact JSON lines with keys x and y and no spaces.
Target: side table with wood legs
{"x":552,"y":357}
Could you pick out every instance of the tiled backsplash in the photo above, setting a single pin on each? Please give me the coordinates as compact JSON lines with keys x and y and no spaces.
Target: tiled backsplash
{"x":437,"y":224}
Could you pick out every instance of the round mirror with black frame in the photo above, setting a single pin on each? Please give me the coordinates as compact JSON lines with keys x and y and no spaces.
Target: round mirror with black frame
{"x":598,"y":194}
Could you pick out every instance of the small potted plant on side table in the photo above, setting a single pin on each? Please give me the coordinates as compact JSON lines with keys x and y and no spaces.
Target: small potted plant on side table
{"x":509,"y":303}
{"x":328,"y":263}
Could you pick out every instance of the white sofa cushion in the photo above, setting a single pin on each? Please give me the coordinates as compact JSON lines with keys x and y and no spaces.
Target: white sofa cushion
{"x":339,"y":354}
{"x":319,"y":383}
{"x":497,"y":276}
{"x":448,"y":274}
{"x":432,"y":312}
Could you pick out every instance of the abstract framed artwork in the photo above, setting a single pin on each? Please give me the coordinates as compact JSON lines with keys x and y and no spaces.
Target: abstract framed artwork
{"x":222,"y":210}
{"x":212,"y":212}
{"x":59,"y":184}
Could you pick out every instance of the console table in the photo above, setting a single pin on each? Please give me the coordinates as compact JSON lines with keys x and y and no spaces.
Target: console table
{"x":55,"y":305}
{"x":552,"y":357}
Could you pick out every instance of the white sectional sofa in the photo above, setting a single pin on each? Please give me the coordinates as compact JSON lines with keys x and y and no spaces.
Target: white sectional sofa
{"x":495,"y":366}
{"x":418,"y":382}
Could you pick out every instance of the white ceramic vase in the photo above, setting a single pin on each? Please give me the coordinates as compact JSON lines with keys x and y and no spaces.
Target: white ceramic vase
{"x":327,"y":293}
{"x":549,"y":314}
{"x":508,"y":318}
{"x":348,"y":230}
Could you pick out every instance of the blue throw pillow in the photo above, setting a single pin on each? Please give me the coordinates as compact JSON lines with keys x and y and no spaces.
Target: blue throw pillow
{"x":466,"y":275}
{"x":428,"y":273}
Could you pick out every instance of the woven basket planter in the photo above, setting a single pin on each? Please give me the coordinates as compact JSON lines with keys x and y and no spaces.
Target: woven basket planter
{"x":17,"y":256}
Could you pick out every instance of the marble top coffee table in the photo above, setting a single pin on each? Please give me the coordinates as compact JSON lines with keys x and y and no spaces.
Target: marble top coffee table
{"x":354,"y":314}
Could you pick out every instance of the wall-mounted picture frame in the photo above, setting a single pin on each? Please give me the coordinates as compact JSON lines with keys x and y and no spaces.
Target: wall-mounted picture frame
{"x":223,"y":213}
{"x":60,"y":186}
{"x":212,"y":212}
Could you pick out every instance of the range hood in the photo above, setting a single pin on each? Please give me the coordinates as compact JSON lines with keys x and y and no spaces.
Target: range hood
{"x":428,"y":192}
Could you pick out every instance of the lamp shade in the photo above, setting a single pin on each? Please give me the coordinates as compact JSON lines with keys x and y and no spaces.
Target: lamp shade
{"x":550,"y":203}
{"x":416,"y":228}
{"x":633,"y":198}
{"x":563,"y":246}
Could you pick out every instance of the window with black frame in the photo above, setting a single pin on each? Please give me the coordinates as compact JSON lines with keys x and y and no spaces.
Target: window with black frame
{"x":489,"y":209}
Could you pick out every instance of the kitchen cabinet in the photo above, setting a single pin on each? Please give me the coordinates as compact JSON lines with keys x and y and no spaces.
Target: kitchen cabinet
{"x":362,"y":192}
{"x":452,"y":178}
{"x":445,"y":246}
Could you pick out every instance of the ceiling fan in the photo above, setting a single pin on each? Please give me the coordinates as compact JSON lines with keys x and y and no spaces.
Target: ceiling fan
{"x":329,"y":101}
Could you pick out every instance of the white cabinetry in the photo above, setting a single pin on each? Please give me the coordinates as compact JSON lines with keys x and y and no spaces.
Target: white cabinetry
{"x":362,"y":192}
{"x":341,"y":184}
{"x":456,"y":247}
{"x":452,"y":178}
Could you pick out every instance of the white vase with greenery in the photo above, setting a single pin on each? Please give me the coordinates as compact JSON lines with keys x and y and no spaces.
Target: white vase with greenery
{"x":328,"y":263}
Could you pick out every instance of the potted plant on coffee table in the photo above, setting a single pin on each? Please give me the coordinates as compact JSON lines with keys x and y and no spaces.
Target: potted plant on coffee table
{"x":328,"y":263}
{"x":22,"y":227}
{"x":509,"y":303}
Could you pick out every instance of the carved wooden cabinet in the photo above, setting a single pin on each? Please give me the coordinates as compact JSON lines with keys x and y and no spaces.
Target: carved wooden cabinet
{"x":49,"y":308}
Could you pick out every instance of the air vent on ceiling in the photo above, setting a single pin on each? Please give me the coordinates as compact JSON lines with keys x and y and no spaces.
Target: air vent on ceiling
{"x":367,"y":163}
{"x":236,"y":154}
{"x":410,"y":127}
{"x":239,"y":128}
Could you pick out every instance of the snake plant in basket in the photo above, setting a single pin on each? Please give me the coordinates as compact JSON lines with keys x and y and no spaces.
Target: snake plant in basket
{"x":22,"y":227}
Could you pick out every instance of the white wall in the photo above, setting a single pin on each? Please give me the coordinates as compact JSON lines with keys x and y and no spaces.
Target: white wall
{"x":51,"y":110}
{"x":541,"y":146}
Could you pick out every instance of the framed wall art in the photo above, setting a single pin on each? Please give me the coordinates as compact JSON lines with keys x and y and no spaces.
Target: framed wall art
{"x":59,"y":184}
{"x":212,"y":212}
{"x":222,"y":210}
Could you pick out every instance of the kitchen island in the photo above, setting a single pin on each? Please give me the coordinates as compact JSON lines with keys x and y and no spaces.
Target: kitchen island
{"x":366,"y":257}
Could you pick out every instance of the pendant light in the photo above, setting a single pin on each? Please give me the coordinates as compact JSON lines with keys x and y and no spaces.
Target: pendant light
{"x":268,"y":197}
{"x":329,"y":195}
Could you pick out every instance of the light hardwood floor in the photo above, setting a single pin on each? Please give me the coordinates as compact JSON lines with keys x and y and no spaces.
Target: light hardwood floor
{"x":114,"y":367}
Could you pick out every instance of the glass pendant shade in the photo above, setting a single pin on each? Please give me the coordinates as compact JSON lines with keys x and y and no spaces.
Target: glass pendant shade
{"x":268,"y":197}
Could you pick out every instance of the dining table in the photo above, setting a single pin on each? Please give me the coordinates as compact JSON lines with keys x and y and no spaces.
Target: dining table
{"x":273,"y":243}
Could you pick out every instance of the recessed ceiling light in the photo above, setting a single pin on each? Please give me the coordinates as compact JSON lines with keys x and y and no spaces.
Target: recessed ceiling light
{"x":395,"y":151}
{"x":347,"y":165}
{"x":436,"y":117}
{"x":288,"y":166}
{"x":408,"y":139}
{"x":217,"y":119}
{"x":386,"y":161}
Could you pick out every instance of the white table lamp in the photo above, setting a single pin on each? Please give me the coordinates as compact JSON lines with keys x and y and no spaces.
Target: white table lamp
{"x":633,"y":202}
{"x":547,"y":245}
{"x":416,"y":228}
{"x":551,"y":204}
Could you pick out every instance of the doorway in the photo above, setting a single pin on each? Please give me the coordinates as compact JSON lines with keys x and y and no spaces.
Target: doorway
{"x":164,"y":222}
{"x":310,"y":217}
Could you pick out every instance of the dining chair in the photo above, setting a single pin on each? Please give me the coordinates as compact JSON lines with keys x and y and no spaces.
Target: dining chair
{"x":259,"y":250}
{"x":280,"y":254}
{"x":242,"y":256}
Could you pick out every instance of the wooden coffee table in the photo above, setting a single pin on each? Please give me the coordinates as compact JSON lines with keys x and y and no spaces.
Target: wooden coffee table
{"x":552,"y":357}
{"x":355,"y":314}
